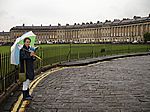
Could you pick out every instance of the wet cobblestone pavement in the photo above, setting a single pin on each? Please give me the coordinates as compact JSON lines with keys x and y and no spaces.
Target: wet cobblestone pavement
{"x":121,"y":85}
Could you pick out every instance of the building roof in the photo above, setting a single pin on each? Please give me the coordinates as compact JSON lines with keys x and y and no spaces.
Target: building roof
{"x":125,"y":21}
{"x":4,"y":33}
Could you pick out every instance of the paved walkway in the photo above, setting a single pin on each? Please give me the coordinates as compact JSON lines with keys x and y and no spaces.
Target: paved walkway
{"x":121,"y":85}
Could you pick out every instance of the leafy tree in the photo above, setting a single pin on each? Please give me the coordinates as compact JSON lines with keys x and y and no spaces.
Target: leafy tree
{"x":146,"y":37}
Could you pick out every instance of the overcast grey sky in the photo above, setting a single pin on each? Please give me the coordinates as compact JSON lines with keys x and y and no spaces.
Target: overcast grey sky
{"x":46,"y":12}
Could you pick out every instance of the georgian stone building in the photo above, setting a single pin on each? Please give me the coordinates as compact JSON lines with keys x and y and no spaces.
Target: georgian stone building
{"x":125,"y":30}
{"x":4,"y":37}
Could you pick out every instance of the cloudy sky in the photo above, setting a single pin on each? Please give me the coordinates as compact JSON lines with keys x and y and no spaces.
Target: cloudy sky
{"x":46,"y":12}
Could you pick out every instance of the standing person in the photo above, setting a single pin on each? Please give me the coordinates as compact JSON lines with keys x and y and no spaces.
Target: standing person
{"x":26,"y":65}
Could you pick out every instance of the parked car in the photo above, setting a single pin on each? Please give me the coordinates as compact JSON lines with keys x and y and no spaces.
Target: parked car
{"x":135,"y":42}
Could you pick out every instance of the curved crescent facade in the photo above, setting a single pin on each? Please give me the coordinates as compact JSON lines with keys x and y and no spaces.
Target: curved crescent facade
{"x":125,"y":30}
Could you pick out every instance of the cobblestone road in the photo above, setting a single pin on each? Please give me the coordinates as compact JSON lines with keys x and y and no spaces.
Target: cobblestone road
{"x":121,"y":85}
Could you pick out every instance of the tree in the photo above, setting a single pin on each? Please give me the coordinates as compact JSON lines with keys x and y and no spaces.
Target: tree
{"x":146,"y":37}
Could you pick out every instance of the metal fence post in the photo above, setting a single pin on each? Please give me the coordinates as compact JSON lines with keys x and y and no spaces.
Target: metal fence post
{"x":78,"y":54}
{"x":4,"y":72}
{"x":17,"y":73}
{"x":59,"y":54}
{"x":93,"y":50}
{"x":128,"y":48}
{"x":70,"y":52}
{"x":42,"y":57}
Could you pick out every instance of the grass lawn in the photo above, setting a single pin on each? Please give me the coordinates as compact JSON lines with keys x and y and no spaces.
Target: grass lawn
{"x":55,"y":53}
{"x":84,"y":47}
{"x":4,"y":49}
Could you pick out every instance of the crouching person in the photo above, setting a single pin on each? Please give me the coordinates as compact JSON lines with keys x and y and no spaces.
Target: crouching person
{"x":26,"y":68}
